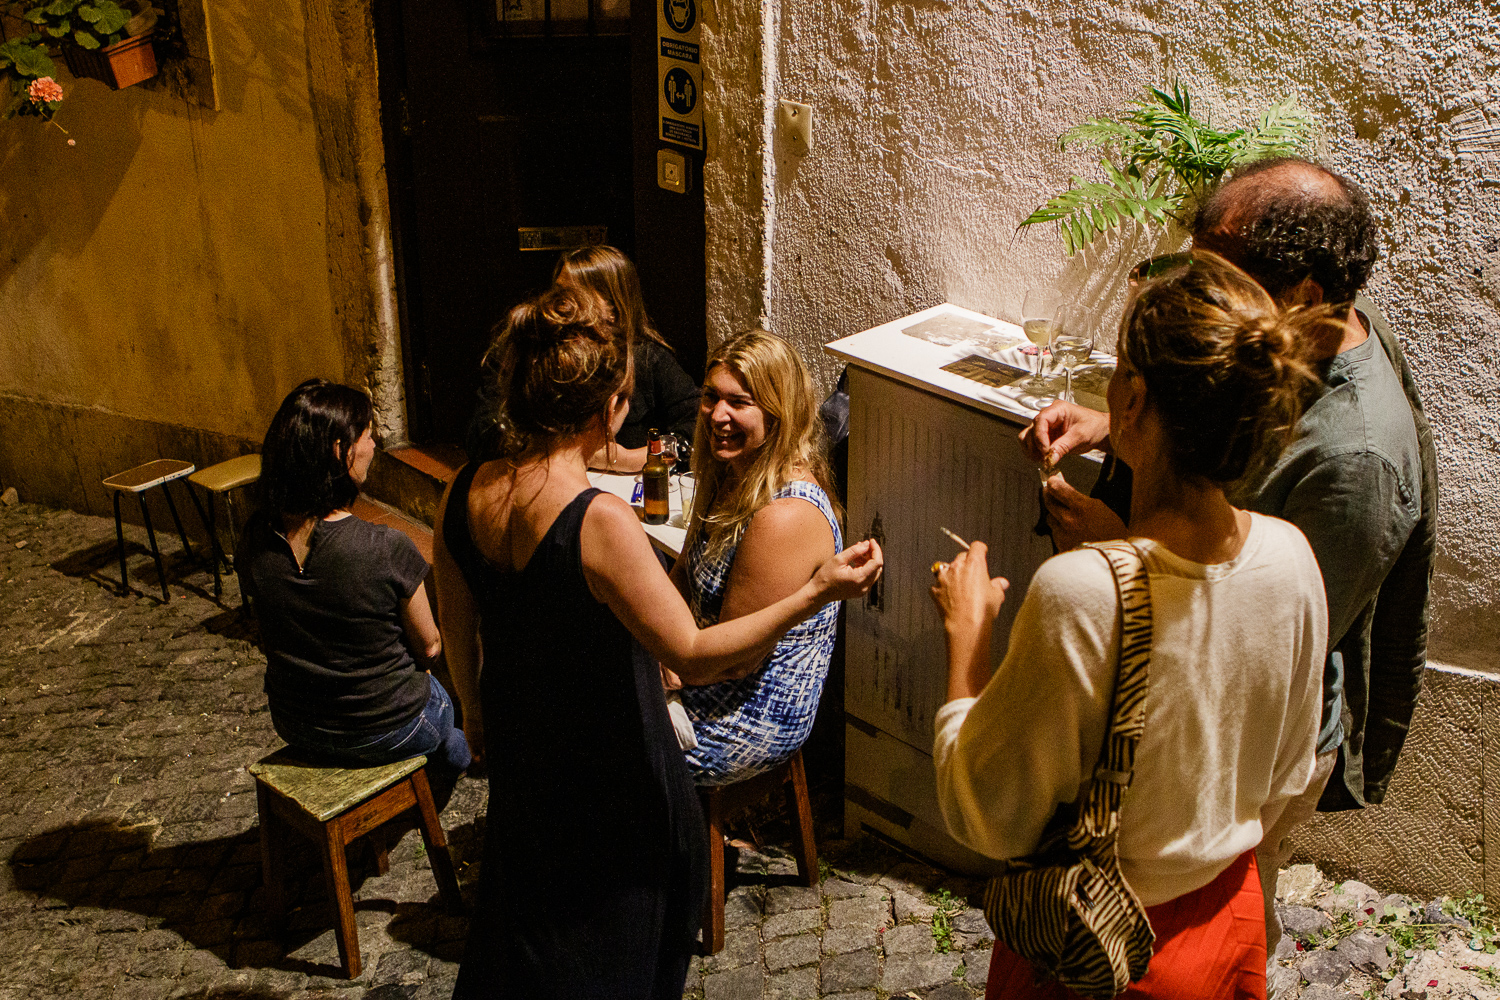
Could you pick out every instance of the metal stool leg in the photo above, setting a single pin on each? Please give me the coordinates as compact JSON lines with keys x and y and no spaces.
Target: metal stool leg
{"x":216,"y":554}
{"x":120,"y":542}
{"x":166,"y":491}
{"x":161,"y":572}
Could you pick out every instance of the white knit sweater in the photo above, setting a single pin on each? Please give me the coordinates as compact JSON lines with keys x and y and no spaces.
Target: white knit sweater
{"x":1231,"y":718}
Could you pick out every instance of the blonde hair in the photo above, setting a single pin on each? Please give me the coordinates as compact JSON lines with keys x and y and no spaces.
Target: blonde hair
{"x":778,"y":382}
{"x":1226,"y":369}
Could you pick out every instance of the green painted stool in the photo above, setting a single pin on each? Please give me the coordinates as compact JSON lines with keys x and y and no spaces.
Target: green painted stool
{"x":332,"y":806}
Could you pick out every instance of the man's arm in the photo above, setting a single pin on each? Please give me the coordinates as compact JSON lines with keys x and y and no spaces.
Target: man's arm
{"x":1357,"y":517}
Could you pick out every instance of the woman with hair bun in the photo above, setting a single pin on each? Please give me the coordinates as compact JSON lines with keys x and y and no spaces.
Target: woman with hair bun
{"x":342,"y":603}
{"x":595,"y":872}
{"x":1212,"y":377}
{"x":764,"y":517}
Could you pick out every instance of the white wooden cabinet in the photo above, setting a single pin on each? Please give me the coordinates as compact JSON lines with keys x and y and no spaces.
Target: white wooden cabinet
{"x":926,"y":451}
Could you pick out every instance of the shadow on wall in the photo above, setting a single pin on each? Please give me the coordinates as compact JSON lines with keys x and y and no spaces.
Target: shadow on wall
{"x":209,"y":893}
{"x":58,"y":191}
{"x":261,"y":43}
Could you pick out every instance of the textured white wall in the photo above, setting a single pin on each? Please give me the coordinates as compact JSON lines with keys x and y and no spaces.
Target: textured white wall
{"x":935,"y":132}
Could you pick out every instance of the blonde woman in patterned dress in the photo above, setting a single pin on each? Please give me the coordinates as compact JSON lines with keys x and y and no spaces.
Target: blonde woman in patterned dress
{"x":764,"y":518}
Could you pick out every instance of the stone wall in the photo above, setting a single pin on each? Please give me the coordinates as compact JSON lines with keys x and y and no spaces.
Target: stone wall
{"x":165,"y":281}
{"x":935,"y":128}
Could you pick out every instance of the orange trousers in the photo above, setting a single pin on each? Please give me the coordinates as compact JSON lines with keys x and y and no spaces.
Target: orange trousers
{"x":1210,"y":945}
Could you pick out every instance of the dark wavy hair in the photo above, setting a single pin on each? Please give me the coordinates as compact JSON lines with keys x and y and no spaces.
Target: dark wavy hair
{"x":1227,"y":370}
{"x":555,"y":364}
{"x":1283,"y":220}
{"x":304,"y":462}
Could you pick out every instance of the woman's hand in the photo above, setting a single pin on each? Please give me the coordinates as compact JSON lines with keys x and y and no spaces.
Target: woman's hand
{"x":669,"y":680}
{"x":1075,"y":518}
{"x":1064,"y":429}
{"x":969,"y":601}
{"x":850,"y":573}
{"x":965,"y":594}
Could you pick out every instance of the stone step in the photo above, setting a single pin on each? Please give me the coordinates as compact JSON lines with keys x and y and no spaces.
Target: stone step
{"x":412,"y":479}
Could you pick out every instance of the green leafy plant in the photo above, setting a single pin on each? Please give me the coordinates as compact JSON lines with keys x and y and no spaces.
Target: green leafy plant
{"x":1160,"y":161}
{"x":89,"y":24}
{"x":948,"y":907}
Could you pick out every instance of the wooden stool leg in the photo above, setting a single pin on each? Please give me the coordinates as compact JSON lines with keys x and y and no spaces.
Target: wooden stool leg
{"x":713,"y":914}
{"x":437,"y":844}
{"x":120,"y":542}
{"x":799,"y":806}
{"x":336,"y":868}
{"x":380,"y":846}
{"x":272,"y":871}
{"x":161,"y":572}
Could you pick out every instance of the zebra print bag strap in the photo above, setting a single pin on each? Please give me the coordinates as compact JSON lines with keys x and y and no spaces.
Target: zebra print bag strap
{"x":1099,"y":816}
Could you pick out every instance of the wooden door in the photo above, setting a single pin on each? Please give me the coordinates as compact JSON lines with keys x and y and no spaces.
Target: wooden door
{"x":512,"y":130}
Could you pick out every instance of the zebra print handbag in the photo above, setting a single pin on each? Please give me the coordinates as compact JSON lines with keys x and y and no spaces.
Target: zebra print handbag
{"x":1066,"y":908}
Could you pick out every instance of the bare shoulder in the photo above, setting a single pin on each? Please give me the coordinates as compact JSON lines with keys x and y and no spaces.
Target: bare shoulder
{"x":788,"y":525}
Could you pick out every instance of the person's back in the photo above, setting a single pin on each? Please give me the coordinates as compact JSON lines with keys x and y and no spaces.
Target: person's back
{"x":1210,"y":373}
{"x":335,"y":646}
{"x":342,"y":604}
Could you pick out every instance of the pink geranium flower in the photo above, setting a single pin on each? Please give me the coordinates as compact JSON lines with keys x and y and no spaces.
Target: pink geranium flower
{"x":44,"y":90}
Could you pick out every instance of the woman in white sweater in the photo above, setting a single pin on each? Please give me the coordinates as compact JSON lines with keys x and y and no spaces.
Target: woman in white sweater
{"x":1211,"y":376}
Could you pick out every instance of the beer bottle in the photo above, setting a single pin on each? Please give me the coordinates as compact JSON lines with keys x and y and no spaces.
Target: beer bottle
{"x":656,"y":478}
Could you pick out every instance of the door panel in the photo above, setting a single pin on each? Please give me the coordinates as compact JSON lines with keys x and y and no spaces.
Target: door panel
{"x":488,"y":134}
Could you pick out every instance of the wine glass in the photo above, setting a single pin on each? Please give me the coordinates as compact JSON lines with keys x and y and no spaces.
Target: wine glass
{"x":1038,"y":316}
{"x":1072,"y":343}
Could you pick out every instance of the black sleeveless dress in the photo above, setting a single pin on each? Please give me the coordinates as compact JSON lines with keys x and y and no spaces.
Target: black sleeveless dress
{"x":595,"y":858}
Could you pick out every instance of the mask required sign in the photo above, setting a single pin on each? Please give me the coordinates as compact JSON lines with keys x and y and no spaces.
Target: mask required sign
{"x":679,"y":72}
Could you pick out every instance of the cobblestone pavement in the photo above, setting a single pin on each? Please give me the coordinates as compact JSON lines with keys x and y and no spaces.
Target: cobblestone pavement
{"x":130,"y":866}
{"x":129,"y":859}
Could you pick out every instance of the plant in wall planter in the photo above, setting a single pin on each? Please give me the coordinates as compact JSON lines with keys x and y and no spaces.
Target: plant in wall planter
{"x":1160,"y":163}
{"x":100,"y":39}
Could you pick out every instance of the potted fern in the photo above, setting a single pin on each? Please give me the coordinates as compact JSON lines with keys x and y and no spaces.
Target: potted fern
{"x":1160,"y":163}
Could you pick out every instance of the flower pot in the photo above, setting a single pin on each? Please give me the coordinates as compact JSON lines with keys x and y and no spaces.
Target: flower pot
{"x":120,"y":65}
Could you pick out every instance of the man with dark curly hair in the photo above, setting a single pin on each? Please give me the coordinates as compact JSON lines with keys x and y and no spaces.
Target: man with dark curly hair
{"x":1360,"y":479}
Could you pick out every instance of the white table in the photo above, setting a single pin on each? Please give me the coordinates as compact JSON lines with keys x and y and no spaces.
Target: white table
{"x":668,"y":537}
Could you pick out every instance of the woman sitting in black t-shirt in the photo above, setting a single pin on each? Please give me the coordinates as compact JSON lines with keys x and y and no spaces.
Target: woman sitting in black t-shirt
{"x":341,"y":602}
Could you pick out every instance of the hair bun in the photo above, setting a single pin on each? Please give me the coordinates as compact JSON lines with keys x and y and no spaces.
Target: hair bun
{"x":1262,"y":338}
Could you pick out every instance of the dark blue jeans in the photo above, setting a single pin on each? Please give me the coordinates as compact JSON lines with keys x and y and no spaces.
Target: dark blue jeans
{"x":432,"y":733}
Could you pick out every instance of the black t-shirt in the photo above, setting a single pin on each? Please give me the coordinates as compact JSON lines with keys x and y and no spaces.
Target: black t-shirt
{"x":665,"y":397}
{"x":335,"y":651}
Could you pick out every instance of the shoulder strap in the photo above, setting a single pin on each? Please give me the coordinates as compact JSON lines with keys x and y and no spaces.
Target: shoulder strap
{"x":456,"y":535}
{"x":1099,"y":814}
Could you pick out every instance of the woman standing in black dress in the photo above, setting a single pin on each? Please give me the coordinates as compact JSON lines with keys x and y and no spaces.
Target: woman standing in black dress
{"x":594,"y":873}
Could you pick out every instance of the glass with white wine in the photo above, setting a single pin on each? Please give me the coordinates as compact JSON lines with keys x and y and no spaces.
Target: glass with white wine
{"x":1072,"y":343}
{"x":1039,"y":312}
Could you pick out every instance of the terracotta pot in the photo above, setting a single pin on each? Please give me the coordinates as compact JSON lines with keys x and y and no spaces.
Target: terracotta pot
{"x":120,"y":65}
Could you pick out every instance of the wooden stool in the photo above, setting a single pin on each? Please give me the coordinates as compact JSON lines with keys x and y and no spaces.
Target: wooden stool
{"x":723,"y":800}
{"x":138,"y":480}
{"x":333,"y":806}
{"x":225,"y":478}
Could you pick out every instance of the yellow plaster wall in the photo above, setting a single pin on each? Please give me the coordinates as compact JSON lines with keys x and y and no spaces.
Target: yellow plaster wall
{"x":172,"y":266}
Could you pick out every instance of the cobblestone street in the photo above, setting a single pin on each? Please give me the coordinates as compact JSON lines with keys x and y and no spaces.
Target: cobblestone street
{"x":130,"y":864}
{"x":129,"y":859}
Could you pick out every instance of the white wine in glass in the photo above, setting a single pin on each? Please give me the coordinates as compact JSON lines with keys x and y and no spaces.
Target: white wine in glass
{"x":1038,"y":317}
{"x":1072,"y":343}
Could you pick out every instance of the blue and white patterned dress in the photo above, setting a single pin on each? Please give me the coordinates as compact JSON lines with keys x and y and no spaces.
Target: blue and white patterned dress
{"x":752,"y":724}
